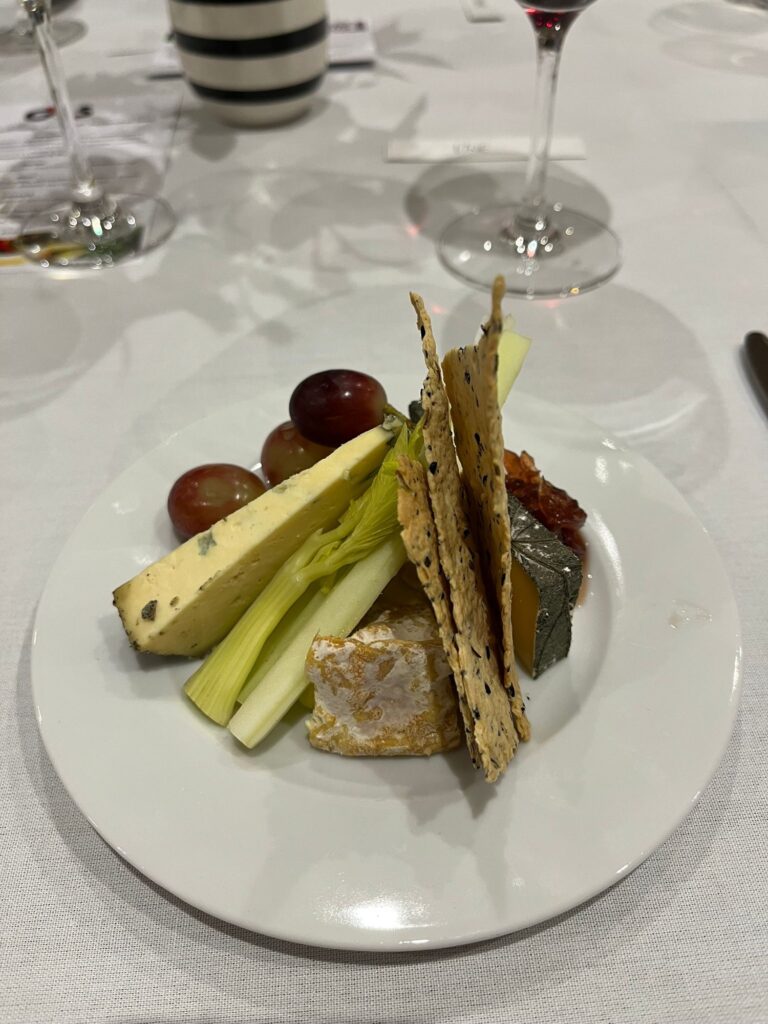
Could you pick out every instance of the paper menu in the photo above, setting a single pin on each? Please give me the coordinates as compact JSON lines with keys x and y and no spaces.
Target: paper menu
{"x":128,"y":142}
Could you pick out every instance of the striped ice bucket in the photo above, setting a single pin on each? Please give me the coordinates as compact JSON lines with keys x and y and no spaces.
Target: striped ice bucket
{"x":254,"y":62}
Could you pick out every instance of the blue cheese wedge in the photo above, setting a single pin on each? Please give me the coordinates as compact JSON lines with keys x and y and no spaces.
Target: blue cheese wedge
{"x":385,"y":691}
{"x":189,"y":600}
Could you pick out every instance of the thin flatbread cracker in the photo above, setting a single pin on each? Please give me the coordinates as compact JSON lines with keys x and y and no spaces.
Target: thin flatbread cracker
{"x":470,"y":380}
{"x":479,"y":679}
{"x":419,"y":535}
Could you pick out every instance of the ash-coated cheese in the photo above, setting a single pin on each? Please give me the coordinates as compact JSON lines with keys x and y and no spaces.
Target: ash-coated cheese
{"x":546,"y":577}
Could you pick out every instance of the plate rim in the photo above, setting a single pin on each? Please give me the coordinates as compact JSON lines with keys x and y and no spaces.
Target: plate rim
{"x":367,"y":940}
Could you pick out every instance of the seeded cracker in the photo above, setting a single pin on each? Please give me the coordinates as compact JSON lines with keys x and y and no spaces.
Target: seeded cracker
{"x":470,"y":380}
{"x":420,"y":540}
{"x":478,"y":680}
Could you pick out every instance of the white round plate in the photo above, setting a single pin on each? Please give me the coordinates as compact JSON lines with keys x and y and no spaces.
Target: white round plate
{"x":388,"y":854}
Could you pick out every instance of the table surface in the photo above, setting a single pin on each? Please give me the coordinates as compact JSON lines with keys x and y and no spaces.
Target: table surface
{"x":670,"y":100}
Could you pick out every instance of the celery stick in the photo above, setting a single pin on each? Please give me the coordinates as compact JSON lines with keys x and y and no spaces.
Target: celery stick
{"x":281,"y":638}
{"x":215,"y":685}
{"x":513,"y":348}
{"x":367,"y":522}
{"x":340,"y":612}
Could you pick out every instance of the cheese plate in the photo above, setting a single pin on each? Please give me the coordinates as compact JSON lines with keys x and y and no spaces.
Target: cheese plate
{"x":400,"y":853}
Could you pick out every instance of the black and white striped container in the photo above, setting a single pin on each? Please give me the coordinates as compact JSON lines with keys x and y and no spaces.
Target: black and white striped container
{"x":254,"y":62}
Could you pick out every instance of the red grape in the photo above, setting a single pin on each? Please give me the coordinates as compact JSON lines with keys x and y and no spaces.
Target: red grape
{"x":336,"y":405}
{"x":286,"y":452}
{"x":205,"y":494}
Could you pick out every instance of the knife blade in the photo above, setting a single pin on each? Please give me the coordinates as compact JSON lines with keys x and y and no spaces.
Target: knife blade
{"x":756,"y":363}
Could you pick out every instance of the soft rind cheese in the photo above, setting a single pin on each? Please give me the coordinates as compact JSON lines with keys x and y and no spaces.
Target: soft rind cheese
{"x":385,"y":691}
{"x":189,"y":600}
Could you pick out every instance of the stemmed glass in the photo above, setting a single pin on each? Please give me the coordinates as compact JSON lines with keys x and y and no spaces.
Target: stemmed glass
{"x":18,"y":39}
{"x":94,"y":229}
{"x":542,"y":250}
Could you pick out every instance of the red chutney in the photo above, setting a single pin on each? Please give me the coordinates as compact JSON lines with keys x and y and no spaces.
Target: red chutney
{"x":551,"y":505}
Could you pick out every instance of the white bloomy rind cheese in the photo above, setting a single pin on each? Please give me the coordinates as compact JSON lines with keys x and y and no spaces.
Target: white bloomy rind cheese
{"x":189,"y":600}
{"x":386,"y":691}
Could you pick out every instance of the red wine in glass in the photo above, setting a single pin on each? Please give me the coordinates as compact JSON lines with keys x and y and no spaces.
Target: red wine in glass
{"x":540,"y":251}
{"x":561,"y":9}
{"x":554,"y":17}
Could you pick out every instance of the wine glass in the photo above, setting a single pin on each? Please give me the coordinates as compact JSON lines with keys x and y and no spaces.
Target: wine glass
{"x":542,"y":250}
{"x":94,"y":229}
{"x":18,"y":39}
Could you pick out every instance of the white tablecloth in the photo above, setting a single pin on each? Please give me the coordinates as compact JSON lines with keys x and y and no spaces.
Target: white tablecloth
{"x":671,"y":100}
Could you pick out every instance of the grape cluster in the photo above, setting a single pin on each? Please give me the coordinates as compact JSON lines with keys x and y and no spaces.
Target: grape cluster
{"x":326,"y":409}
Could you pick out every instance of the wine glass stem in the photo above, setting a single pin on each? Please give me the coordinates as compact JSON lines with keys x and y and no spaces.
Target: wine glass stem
{"x":532,"y":211}
{"x":85,"y":189}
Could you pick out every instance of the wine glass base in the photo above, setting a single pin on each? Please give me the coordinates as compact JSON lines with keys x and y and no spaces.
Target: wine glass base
{"x":71,"y":237}
{"x":479,"y":246}
{"x":19,"y":41}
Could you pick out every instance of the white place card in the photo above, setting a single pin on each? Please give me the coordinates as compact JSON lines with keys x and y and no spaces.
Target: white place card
{"x":350,"y":42}
{"x":478,"y":150}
